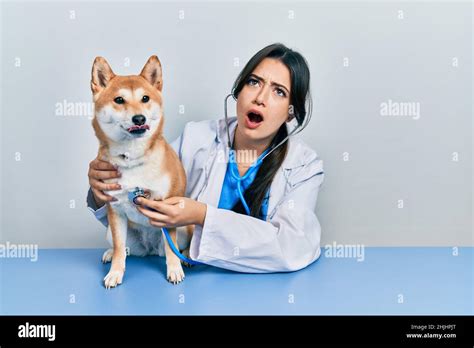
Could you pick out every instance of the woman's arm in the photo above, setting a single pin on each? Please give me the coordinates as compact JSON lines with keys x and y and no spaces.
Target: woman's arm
{"x":100,"y":212}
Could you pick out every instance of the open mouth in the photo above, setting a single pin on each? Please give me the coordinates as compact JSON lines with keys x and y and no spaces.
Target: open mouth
{"x":138,"y":129}
{"x":254,"y":119}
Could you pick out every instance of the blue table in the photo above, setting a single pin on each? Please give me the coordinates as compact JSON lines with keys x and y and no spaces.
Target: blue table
{"x":69,"y":281}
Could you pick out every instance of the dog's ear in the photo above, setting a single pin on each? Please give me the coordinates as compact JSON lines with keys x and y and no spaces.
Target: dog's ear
{"x":101,"y":75}
{"x":152,"y":72}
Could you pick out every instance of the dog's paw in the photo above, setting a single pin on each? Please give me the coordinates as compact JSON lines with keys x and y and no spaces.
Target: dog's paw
{"x":186,"y":254}
{"x":175,"y":273}
{"x":107,"y":257}
{"x":113,"y":278}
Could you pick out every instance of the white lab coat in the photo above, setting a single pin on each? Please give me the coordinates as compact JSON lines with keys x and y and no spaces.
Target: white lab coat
{"x":290,"y":237}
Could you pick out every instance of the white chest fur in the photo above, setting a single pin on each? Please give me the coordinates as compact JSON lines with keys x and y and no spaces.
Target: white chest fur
{"x":138,"y":170}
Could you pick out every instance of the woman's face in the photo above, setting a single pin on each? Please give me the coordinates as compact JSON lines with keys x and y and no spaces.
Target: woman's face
{"x":264,"y":101}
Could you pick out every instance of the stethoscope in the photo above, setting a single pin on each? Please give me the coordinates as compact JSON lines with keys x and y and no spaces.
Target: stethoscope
{"x":235,"y":175}
{"x":234,"y":172}
{"x":139,"y":192}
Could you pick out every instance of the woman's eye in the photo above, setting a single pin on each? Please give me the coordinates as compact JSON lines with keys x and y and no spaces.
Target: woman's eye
{"x":119,"y":100}
{"x":252,"y":82}
{"x":281,"y":92}
{"x":145,"y":99}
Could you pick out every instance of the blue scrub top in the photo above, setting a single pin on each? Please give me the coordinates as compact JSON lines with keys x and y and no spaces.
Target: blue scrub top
{"x":230,"y":193}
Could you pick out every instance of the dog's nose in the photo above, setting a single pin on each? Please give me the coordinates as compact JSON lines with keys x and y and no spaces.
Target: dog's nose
{"x":139,"y":120}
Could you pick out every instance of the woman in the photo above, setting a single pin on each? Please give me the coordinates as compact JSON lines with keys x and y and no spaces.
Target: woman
{"x":282,"y":232}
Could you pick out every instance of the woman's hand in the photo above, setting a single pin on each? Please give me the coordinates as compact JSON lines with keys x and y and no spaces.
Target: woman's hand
{"x":98,"y":171}
{"x":173,"y":211}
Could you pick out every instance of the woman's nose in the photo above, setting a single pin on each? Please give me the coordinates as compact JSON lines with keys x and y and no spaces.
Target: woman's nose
{"x":262,"y":95}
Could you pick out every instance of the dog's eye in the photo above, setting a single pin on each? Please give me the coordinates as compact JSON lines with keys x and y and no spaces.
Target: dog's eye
{"x":119,"y":100}
{"x":145,"y":99}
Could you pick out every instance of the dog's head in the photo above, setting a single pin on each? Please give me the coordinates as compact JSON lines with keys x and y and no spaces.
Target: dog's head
{"x":127,"y":107}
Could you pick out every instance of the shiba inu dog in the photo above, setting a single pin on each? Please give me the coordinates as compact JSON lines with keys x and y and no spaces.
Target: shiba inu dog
{"x":128,"y":121}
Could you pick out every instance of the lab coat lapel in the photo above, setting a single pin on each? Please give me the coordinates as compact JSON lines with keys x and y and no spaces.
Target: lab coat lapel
{"x":216,"y":165}
{"x":215,"y":172}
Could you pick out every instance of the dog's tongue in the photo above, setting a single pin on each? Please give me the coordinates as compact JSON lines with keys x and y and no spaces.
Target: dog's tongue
{"x":135,"y":127}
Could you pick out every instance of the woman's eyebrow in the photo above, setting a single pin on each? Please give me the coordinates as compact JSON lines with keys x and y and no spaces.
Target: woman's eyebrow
{"x":273,"y":83}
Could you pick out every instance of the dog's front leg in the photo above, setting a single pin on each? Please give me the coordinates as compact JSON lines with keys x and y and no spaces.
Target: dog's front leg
{"x":174,"y":271}
{"x":118,"y":227}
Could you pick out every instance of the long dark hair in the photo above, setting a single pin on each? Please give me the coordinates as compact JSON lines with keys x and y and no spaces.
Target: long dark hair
{"x":300,"y":100}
